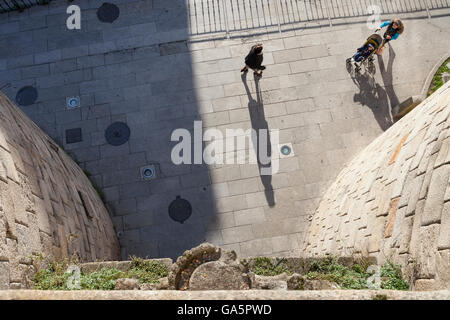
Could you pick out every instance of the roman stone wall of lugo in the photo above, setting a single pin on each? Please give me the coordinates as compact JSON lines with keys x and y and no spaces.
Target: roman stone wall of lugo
{"x":392,"y":201}
{"x":48,"y":207}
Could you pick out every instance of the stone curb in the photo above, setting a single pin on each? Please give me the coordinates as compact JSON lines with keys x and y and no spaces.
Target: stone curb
{"x":427,"y":83}
{"x":224,"y":295}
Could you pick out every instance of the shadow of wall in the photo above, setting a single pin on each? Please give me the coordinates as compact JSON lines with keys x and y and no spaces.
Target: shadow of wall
{"x":135,"y":70}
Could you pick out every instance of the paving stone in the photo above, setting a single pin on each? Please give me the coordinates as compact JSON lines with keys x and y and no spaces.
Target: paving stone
{"x":141,"y":71}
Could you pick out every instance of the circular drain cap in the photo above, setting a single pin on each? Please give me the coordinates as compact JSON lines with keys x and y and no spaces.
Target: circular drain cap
{"x":180,"y":209}
{"x":286,"y":150}
{"x":27,"y":96}
{"x":117,"y":133}
{"x":108,"y":12}
{"x":148,"y":173}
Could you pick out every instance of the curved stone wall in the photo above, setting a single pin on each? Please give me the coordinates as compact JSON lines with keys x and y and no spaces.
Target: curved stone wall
{"x":47,"y":205}
{"x":393,"y":200}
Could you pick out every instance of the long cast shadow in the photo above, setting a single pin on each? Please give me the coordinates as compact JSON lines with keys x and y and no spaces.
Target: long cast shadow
{"x":260,"y":126}
{"x":386,"y":74}
{"x":371,"y":94}
{"x":149,"y":85}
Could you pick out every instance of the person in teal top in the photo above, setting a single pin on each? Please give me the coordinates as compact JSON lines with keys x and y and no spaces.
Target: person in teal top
{"x":394,"y":29}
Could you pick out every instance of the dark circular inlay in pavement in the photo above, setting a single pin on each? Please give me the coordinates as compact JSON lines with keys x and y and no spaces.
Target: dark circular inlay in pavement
{"x":117,"y":133}
{"x":180,"y":209}
{"x":286,"y":150}
{"x":108,"y":12}
{"x":27,"y":96}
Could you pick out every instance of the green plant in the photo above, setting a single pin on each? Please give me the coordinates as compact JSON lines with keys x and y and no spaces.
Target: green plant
{"x":437,"y":81}
{"x":104,"y":279}
{"x":55,"y":277}
{"x":330,"y":269}
{"x":392,"y":279}
{"x":147,"y":271}
{"x":263,"y":266}
{"x":380,"y":297}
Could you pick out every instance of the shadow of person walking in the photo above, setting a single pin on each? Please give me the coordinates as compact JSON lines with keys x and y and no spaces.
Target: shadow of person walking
{"x":371,"y":94}
{"x":386,"y":75}
{"x":260,"y":139}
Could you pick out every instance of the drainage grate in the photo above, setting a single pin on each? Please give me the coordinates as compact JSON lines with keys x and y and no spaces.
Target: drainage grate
{"x":73,"y":135}
{"x":180,"y":210}
{"x":108,"y":12}
{"x":117,"y":133}
{"x":27,"y":96}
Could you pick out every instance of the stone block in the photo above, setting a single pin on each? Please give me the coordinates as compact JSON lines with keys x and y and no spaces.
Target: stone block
{"x":46,"y":57}
{"x":444,"y":231}
{"x":249,"y":216}
{"x":435,"y":198}
{"x":35,"y":71}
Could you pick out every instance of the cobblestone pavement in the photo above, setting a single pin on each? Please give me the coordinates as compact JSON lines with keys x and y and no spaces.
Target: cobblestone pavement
{"x":140,"y":70}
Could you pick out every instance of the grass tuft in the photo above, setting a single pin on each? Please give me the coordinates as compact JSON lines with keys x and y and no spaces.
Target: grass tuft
{"x":437,"y":81}
{"x":55,"y":277}
{"x":263,"y":266}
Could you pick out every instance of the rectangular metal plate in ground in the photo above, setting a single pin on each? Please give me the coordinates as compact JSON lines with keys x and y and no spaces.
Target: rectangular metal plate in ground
{"x":175,"y":47}
{"x":73,"y":135}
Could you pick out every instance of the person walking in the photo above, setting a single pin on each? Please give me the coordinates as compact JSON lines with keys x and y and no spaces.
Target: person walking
{"x":394,"y":29}
{"x":254,"y":60}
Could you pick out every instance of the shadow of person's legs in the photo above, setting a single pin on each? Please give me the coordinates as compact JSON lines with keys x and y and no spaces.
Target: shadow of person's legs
{"x":371,"y":94}
{"x":261,"y":139}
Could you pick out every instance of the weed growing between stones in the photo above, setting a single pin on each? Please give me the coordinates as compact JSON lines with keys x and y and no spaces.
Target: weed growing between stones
{"x":263,"y":266}
{"x":330,"y":269}
{"x":437,"y":81}
{"x":392,"y":279}
{"x":147,"y":271}
{"x":347,"y":276}
{"x":55,"y":277}
{"x":355,"y":277}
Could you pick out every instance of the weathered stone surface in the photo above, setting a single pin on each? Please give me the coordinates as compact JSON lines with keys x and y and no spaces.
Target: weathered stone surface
{"x":320,"y":285}
{"x":127,"y":284}
{"x":218,"y":275}
{"x":48,"y":205}
{"x":223,"y":295}
{"x":296,"y":282}
{"x":163,"y":284}
{"x":278,"y":282}
{"x":185,"y":265}
{"x":404,"y":208}
{"x":4,"y":275}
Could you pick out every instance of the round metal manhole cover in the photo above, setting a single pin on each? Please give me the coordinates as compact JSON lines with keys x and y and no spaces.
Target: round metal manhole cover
{"x":108,"y":12}
{"x":180,"y":210}
{"x":117,"y":133}
{"x":27,"y":96}
{"x":286,"y":150}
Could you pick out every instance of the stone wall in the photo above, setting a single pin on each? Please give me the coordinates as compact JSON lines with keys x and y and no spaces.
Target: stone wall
{"x":393,"y":200}
{"x":47,"y":205}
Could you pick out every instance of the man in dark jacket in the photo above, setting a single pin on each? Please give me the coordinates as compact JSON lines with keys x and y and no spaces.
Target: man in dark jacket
{"x":254,"y":59}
